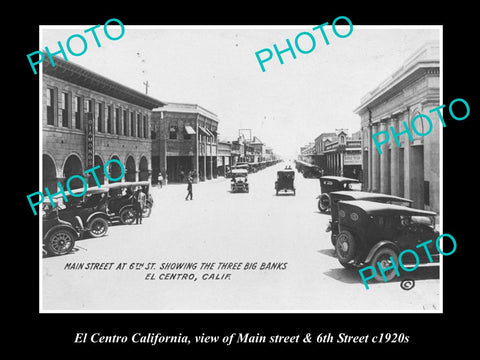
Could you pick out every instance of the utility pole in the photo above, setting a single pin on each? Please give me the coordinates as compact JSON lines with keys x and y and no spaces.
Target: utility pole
{"x":143,"y":61}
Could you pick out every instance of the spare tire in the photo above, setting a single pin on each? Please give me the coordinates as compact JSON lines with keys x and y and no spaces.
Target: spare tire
{"x":324,"y":203}
{"x":345,"y":247}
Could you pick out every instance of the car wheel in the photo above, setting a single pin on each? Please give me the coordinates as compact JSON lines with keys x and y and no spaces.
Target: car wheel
{"x":60,"y":242}
{"x":127,"y":216}
{"x":323,"y":203}
{"x":345,"y":247}
{"x":147,"y":210}
{"x":383,"y":256}
{"x":97,"y":227}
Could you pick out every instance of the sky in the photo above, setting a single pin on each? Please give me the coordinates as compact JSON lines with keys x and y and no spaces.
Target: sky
{"x":287,"y":106}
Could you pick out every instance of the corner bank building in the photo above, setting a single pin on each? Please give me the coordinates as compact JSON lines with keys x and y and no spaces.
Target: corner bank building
{"x":87,"y":120}
{"x":411,"y":170}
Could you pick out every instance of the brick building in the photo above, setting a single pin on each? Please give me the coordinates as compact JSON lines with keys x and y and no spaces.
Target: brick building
{"x":184,"y":140}
{"x":411,"y":170}
{"x":87,"y":120}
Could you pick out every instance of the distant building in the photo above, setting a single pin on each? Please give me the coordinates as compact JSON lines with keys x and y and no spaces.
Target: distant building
{"x":184,"y":141}
{"x":307,"y":153}
{"x":224,"y":157}
{"x":411,"y":170}
{"x":339,"y":153}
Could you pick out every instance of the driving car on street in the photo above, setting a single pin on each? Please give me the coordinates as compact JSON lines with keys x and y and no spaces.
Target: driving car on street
{"x":285,"y":181}
{"x":239,"y":181}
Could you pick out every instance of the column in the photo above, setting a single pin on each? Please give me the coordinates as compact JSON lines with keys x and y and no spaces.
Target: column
{"x":384,"y":163}
{"x":395,"y":162}
{"x":375,"y":165}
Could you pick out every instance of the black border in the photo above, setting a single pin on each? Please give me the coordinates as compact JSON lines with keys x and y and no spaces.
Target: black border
{"x":432,"y":332}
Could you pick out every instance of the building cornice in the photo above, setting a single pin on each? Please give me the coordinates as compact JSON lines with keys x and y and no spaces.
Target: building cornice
{"x":78,"y":75}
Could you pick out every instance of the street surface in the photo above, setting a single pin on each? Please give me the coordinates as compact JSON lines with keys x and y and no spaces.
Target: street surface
{"x":286,"y":233}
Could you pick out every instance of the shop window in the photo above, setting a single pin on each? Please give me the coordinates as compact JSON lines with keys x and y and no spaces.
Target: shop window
{"x":64,"y":109}
{"x":109,"y":119}
{"x":77,"y":108}
{"x":50,"y":106}
{"x":139,"y":125}
{"x":173,"y":132}
{"x":132,"y":124}
{"x":125,"y":122}
{"x":100,"y":122}
{"x":117,"y":120}
{"x":145,"y":126}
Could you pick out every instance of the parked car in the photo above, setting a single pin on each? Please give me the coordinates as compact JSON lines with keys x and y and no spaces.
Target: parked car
{"x":371,"y":232}
{"x":285,"y":181}
{"x":239,"y":182}
{"x":91,"y":207}
{"x":245,"y":166}
{"x":337,"y":196}
{"x":329,"y":184}
{"x":309,"y":171}
{"x":121,"y":200}
{"x":59,"y":236}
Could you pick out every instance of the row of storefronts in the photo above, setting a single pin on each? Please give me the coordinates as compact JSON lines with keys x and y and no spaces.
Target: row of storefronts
{"x":335,"y":153}
{"x":408,"y":168}
{"x":88,"y":119}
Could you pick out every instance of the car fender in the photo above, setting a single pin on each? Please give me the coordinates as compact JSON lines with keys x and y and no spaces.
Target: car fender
{"x":378,"y":245}
{"x":125,"y":207}
{"x":98,"y":214}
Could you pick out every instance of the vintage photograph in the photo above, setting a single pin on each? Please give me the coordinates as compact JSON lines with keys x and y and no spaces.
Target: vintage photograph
{"x":233,"y":169}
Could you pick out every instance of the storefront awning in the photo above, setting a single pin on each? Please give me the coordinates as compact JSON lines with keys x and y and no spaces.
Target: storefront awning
{"x":205,"y":131}
{"x":209,"y":133}
{"x":189,"y":130}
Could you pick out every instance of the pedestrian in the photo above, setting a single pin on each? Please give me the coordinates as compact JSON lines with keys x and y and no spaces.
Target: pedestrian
{"x":139,"y":205}
{"x":189,"y":189}
{"x":160,"y":180}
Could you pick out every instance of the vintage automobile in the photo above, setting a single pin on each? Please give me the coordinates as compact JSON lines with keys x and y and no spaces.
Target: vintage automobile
{"x":91,"y":207}
{"x":329,"y":184}
{"x":59,"y":236}
{"x":337,"y":196}
{"x":121,"y":201}
{"x":285,"y":181}
{"x":239,"y":182}
{"x":245,"y":166}
{"x":309,"y":171}
{"x":371,"y":232}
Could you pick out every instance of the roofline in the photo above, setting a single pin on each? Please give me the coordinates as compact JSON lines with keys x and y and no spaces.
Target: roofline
{"x":187,"y":108}
{"x":421,"y":59}
{"x":62,"y":68}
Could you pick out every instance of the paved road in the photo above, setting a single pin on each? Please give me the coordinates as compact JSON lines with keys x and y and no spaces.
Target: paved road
{"x":217,"y":234}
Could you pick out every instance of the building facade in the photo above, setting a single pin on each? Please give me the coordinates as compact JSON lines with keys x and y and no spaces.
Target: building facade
{"x":411,"y":169}
{"x":340,"y":154}
{"x":87,"y":120}
{"x":184,"y":141}
{"x":224,"y":157}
